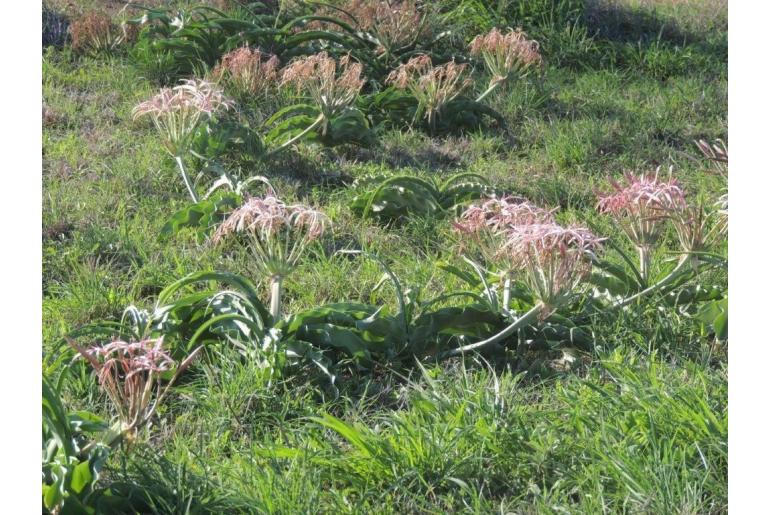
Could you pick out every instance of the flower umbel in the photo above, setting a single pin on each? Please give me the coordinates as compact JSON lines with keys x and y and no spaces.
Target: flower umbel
{"x":129,"y":373}
{"x":332,"y":87}
{"x":278,"y":235}
{"x":507,"y":55}
{"x":248,"y":70}
{"x":177,"y":112}
{"x":639,"y":206}
{"x":554,"y":259}
{"x":487,"y":223}
{"x":433,"y":86}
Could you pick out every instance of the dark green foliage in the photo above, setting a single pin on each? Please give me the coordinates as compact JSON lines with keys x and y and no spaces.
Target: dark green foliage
{"x":71,"y":462}
{"x":55,"y":27}
{"x":394,"y":198}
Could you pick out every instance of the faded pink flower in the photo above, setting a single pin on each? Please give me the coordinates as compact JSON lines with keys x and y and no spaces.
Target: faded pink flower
{"x":279,"y":233}
{"x":432,"y":86}
{"x":554,"y":259}
{"x":641,"y":203}
{"x":507,"y":54}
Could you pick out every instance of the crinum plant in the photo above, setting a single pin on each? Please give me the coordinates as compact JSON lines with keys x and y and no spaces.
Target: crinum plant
{"x":178,"y":113}
{"x":249,"y":71}
{"x":278,"y":235}
{"x":484,"y":226}
{"x":130,"y":373}
{"x":641,"y":206}
{"x":553,"y":261}
{"x":333,"y":87}
{"x":432,"y":86}
{"x":507,"y":56}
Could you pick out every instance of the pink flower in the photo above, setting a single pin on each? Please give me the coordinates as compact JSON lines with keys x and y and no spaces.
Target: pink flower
{"x":554,"y":259}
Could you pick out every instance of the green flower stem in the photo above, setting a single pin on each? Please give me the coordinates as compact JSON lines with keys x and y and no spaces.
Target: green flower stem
{"x":644,"y":263}
{"x":493,"y":86}
{"x":522,"y":321}
{"x":663,"y":282}
{"x":275,"y":297}
{"x":506,"y":294}
{"x":186,"y":178}
{"x":318,"y":121}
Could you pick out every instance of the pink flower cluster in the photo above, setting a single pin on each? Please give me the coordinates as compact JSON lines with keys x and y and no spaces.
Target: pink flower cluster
{"x":269,"y":215}
{"x":554,"y":259}
{"x":199,"y":96}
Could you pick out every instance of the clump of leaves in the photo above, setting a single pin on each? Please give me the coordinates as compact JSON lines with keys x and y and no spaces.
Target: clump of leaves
{"x":248,"y":71}
{"x":73,"y":454}
{"x":507,"y":56}
{"x":278,"y":235}
{"x":392,"y":199}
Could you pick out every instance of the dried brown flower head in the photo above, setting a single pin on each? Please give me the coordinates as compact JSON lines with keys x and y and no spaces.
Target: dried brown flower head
{"x":248,"y":70}
{"x":432,"y":86}
{"x":508,"y":54}
{"x":95,"y":32}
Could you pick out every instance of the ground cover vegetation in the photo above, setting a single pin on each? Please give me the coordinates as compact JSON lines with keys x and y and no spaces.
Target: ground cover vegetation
{"x":385,"y":257}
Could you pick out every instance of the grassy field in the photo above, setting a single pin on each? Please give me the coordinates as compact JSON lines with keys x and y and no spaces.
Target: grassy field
{"x":637,"y":423}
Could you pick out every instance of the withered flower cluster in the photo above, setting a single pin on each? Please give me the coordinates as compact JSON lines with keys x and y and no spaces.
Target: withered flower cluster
{"x":129,"y":372}
{"x":332,"y":86}
{"x":433,"y":86}
{"x":507,"y":55}
{"x":248,"y":70}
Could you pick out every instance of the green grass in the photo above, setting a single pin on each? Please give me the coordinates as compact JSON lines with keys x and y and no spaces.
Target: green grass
{"x":637,"y":425}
